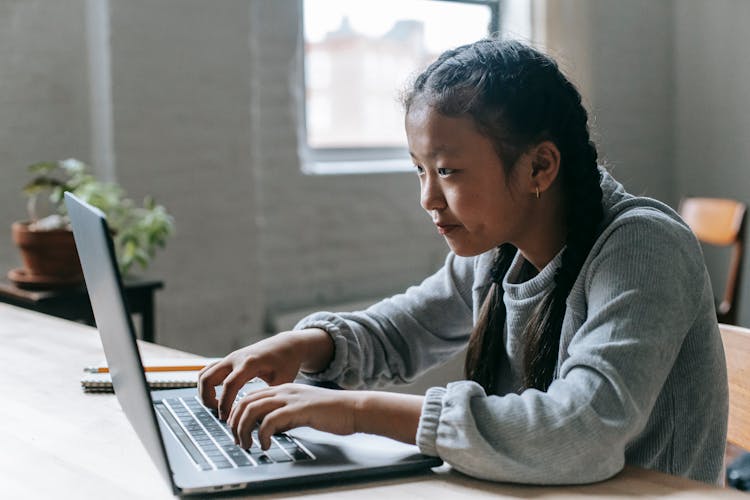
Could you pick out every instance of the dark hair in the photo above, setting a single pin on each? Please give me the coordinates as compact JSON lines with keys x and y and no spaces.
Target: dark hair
{"x":518,"y":97}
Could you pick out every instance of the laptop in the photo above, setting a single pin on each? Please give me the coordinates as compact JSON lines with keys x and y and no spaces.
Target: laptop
{"x":192,"y":449}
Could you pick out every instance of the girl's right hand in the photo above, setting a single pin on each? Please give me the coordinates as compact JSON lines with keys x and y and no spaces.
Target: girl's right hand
{"x":276,"y":360}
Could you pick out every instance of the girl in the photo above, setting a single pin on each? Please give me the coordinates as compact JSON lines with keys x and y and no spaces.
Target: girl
{"x":588,"y":313}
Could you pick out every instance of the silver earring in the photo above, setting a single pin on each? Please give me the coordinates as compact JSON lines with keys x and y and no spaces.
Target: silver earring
{"x":537,"y":192}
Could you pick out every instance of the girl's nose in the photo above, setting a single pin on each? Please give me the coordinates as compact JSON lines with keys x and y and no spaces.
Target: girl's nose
{"x":431,"y":196}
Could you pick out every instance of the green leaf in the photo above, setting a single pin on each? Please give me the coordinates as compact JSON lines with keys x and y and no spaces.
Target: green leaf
{"x":39,"y":184}
{"x":139,"y":230}
{"x":42,"y":168}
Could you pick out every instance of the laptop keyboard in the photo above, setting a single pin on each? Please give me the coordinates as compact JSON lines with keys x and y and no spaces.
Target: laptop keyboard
{"x":210,"y":443}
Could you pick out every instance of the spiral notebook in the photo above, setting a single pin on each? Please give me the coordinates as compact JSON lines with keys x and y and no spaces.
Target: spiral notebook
{"x":162,"y":379}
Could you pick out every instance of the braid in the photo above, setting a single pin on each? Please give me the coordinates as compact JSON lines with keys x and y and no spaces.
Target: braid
{"x":485,"y":340}
{"x":518,"y":98}
{"x":581,"y":182}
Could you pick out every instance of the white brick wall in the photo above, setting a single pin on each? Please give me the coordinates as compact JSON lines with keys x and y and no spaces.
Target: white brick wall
{"x":182,"y":132}
{"x":43,"y":98}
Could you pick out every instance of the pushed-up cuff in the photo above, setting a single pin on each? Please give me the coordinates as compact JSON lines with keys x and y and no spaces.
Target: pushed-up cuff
{"x":432,"y":407}
{"x":340,"y":348}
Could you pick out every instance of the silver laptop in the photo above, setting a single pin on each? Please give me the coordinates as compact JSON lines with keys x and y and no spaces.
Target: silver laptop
{"x":194,"y":451}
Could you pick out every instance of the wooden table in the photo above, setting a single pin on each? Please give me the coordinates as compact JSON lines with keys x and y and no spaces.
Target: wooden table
{"x":73,"y":302}
{"x":57,"y":442}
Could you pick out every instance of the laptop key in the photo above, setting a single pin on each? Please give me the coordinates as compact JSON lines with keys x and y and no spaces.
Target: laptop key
{"x":284,"y":441}
{"x":187,"y":444}
{"x":239,"y":457}
{"x":298,"y":454}
{"x":261,"y":458}
{"x":278,"y":455}
{"x":225,"y":441}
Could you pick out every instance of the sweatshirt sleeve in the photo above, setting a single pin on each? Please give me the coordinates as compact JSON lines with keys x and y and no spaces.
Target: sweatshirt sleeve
{"x":400,"y":337}
{"x":643,"y":289}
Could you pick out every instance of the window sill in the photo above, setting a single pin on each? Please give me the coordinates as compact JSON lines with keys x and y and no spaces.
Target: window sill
{"x":355,"y":167}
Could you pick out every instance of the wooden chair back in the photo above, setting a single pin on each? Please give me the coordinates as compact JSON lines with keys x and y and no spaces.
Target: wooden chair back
{"x":736,"y":342}
{"x":720,"y":222}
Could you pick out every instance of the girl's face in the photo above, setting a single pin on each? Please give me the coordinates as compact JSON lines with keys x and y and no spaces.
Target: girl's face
{"x":464,"y":187}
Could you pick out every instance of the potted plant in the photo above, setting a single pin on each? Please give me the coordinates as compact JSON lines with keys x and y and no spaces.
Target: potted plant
{"x":46,"y":240}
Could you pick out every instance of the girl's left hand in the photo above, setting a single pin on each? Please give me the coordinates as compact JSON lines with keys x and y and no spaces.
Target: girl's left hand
{"x":283,"y":407}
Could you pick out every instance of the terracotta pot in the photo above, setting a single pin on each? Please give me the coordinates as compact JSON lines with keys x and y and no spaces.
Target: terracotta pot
{"x":48,"y":254}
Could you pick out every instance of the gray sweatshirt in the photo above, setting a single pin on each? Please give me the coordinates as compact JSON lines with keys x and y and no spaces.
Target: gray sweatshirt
{"x":640,"y":377}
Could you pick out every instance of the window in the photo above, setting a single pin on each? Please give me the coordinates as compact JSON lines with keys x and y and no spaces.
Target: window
{"x":358,"y":57}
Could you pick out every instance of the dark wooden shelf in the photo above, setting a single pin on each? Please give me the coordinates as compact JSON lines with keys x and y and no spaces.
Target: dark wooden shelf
{"x":73,"y":302}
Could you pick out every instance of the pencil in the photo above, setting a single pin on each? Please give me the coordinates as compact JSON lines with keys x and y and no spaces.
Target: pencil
{"x":152,"y":368}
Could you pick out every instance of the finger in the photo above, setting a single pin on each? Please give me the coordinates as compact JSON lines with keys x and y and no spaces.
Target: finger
{"x":251,"y":415}
{"x":207,"y":367}
{"x":236,"y":412}
{"x":209,"y":378}
{"x":238,"y":407}
{"x":234,"y":418}
{"x":232,"y":385}
{"x":279,"y":420}
{"x":247,"y":416}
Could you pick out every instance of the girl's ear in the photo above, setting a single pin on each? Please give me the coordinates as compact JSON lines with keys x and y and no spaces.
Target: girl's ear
{"x":545,"y":165}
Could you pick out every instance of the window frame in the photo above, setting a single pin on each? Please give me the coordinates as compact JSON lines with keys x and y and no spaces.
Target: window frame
{"x":363,"y":160}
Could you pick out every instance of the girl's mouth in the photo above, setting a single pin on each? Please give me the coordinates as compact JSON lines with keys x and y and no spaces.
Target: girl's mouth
{"x":445,"y":229}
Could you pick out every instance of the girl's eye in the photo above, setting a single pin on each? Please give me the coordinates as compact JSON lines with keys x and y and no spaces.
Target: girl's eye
{"x":445,"y":171}
{"x":420,"y":170}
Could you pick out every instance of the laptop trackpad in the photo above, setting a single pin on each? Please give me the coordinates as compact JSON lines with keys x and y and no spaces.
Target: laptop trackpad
{"x":354,"y":448}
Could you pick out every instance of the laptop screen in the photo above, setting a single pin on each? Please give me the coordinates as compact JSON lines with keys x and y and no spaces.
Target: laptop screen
{"x":104,"y":284}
